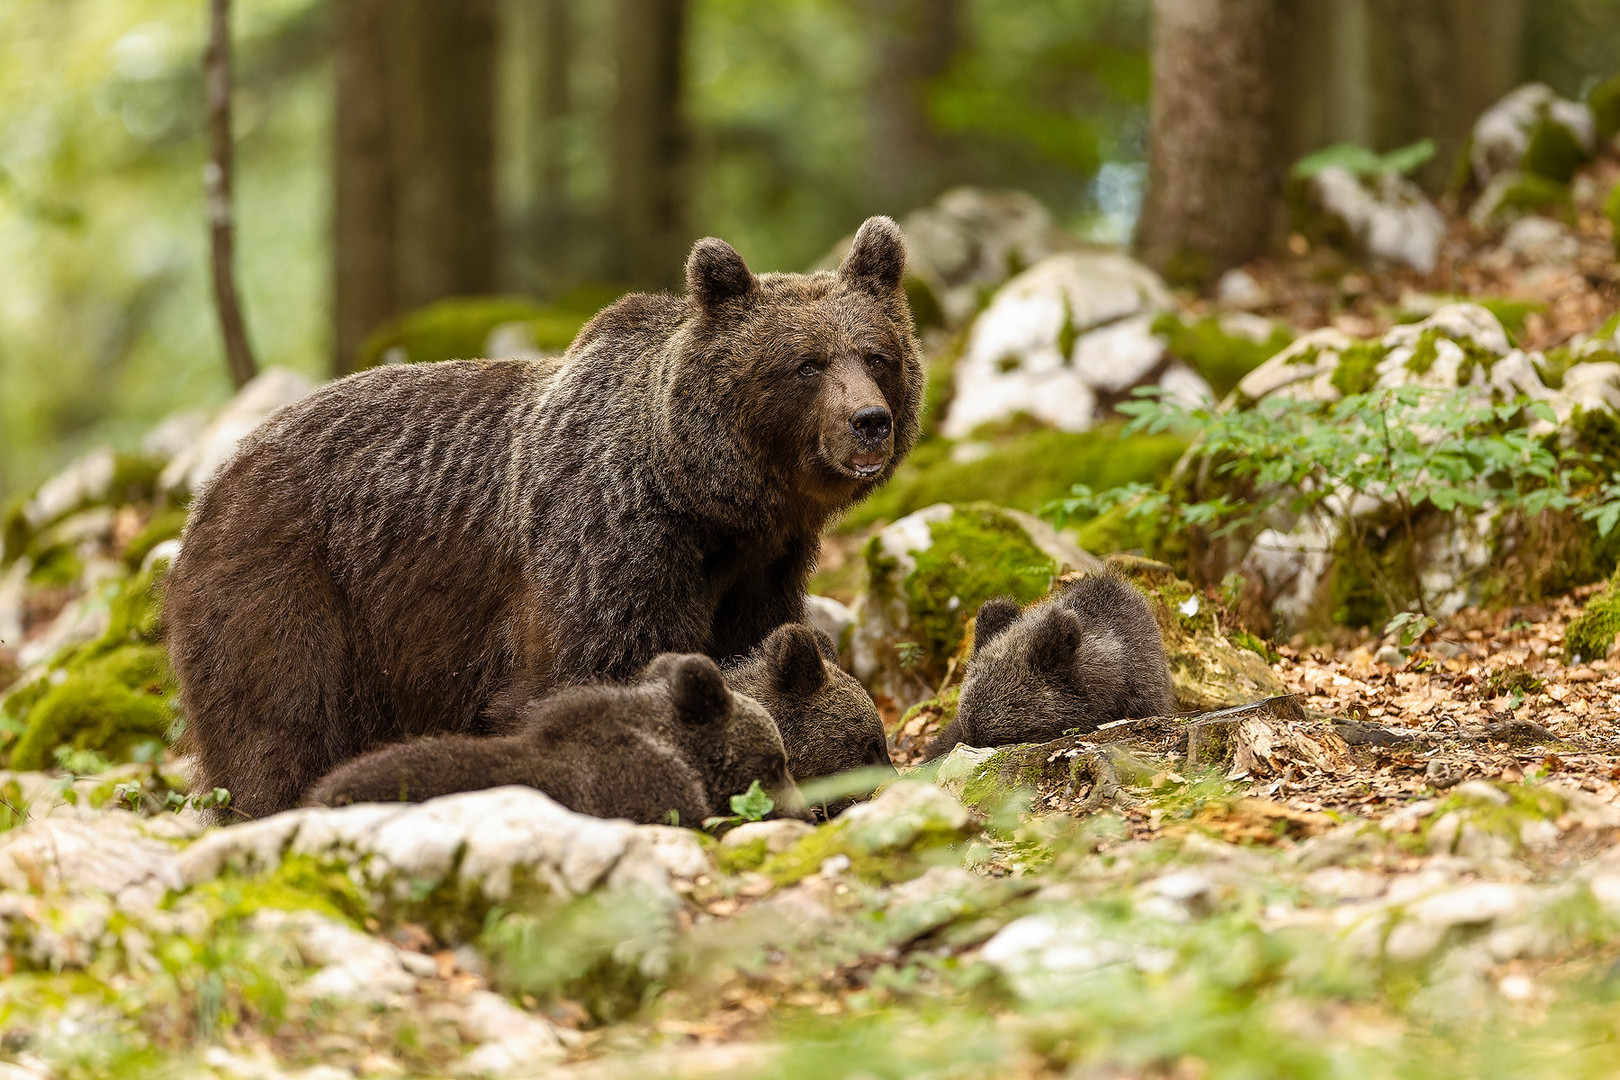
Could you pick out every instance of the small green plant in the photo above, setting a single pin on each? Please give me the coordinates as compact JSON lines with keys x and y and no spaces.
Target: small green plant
{"x":1364,"y":162}
{"x":1409,"y":450}
{"x":1408,"y":628}
{"x":751,"y":805}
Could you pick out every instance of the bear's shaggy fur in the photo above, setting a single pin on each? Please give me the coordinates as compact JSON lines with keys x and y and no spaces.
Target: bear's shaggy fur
{"x":1089,"y":655}
{"x":828,"y":722}
{"x":679,"y":741}
{"x":382,"y":558}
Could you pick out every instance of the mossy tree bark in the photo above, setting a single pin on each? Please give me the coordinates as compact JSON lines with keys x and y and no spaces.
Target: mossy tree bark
{"x":414,"y":160}
{"x":1215,"y":172}
{"x":649,"y":142}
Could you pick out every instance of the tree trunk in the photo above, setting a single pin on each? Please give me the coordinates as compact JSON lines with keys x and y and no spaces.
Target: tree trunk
{"x":442,"y":59}
{"x":649,"y":142}
{"x":415,"y":159}
{"x":919,"y":39}
{"x":364,"y":296}
{"x":218,"y":180}
{"x":1386,"y":73}
{"x":1215,"y":172}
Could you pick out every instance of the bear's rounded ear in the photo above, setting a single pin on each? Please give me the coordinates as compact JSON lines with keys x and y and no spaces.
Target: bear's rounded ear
{"x":824,"y":642}
{"x":715,"y":273}
{"x":877,"y":257}
{"x":794,"y":658}
{"x":995,"y":615}
{"x":1054,"y":639}
{"x":698,"y":691}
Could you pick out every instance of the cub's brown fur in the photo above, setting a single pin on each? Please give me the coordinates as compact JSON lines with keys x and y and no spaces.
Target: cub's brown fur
{"x":382,"y":558}
{"x":1087,"y":656}
{"x":680,"y":741}
{"x":828,"y":722}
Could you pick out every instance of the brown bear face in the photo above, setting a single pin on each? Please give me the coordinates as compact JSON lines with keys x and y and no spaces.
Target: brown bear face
{"x":730,"y":738}
{"x":828,"y":722}
{"x":819,"y":376}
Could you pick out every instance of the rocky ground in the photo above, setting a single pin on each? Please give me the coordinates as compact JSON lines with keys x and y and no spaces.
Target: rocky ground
{"x":1358,"y":852}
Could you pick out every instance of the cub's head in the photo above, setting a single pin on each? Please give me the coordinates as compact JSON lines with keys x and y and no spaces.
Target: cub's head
{"x":819,"y":376}
{"x":828,"y":722}
{"x":729,"y":738}
{"x":1026,"y":681}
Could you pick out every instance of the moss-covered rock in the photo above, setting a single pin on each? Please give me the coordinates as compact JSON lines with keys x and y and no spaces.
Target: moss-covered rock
{"x":1611,"y":210}
{"x":1219,"y":349}
{"x":110,"y":704}
{"x":459,"y":329}
{"x":1591,"y":635}
{"x":111,"y":696}
{"x":927,"y":574}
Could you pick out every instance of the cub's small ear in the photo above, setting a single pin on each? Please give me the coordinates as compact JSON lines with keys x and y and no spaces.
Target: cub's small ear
{"x":698,"y":691}
{"x":795,"y":660}
{"x":828,"y":647}
{"x":1054,"y":639}
{"x":715,"y":273}
{"x":877,"y":257}
{"x":995,"y":615}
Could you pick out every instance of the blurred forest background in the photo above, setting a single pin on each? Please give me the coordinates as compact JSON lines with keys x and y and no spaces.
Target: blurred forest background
{"x":392,"y":153}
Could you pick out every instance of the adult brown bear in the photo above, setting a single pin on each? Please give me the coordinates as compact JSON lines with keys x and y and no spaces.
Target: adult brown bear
{"x":385,"y":557}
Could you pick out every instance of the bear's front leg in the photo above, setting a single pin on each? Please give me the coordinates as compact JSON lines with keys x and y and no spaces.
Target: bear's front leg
{"x":758,"y":603}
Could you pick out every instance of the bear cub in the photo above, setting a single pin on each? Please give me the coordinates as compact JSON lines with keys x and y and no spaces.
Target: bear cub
{"x":1087,"y":656}
{"x":829,"y":723}
{"x":678,"y":741}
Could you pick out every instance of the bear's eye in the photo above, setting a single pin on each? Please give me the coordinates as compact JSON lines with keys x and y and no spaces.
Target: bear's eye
{"x":877,"y":361}
{"x":809,"y":369}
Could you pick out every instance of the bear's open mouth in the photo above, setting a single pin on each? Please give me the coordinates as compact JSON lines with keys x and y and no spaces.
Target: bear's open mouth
{"x":868,"y":464}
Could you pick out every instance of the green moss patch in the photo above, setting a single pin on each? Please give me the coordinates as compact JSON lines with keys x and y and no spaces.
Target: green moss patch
{"x":1592,"y":633}
{"x":1023,"y":470}
{"x":977,"y":553}
{"x":1611,"y":210}
{"x":1222,"y":358}
{"x":111,"y":705}
{"x":457,"y":329}
{"x":1357,"y":368}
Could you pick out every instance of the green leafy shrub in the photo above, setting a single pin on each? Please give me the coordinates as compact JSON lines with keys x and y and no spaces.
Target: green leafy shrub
{"x":1364,"y":162}
{"x":1418,"y":453}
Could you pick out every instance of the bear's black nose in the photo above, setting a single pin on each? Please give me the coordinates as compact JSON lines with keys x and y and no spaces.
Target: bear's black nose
{"x":872,"y":424}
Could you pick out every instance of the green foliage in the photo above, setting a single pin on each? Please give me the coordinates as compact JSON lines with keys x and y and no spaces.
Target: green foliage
{"x":1531,"y":194}
{"x":1357,"y":368}
{"x":457,"y":330}
{"x":1413,"y":450}
{"x":752,"y":805}
{"x":1590,"y":635}
{"x":1023,"y":470}
{"x":1364,"y":162}
{"x":1410,"y":626}
{"x":606,"y":951}
{"x":1222,"y":358}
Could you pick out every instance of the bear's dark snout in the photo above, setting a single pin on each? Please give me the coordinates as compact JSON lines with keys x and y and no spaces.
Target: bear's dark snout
{"x":872,"y":425}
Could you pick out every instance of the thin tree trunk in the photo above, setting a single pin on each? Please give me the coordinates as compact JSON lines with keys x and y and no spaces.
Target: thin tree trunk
{"x":217,"y":179}
{"x":363,"y":178}
{"x":1215,"y":175}
{"x":555,"y":104}
{"x":649,"y":142}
